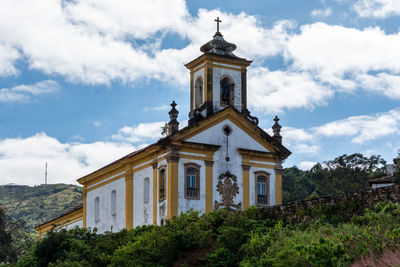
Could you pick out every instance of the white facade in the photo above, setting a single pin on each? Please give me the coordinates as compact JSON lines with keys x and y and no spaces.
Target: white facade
{"x":220,"y":161}
{"x":229,"y":148}
{"x":143,"y":195}
{"x":185,"y":204}
{"x":142,"y":212}
{"x":106,"y":222}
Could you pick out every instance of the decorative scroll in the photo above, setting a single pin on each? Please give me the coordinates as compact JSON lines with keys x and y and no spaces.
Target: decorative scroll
{"x":228,"y":189}
{"x":246,"y":112}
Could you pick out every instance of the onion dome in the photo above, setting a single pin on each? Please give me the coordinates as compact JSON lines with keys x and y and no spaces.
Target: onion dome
{"x":218,"y":46}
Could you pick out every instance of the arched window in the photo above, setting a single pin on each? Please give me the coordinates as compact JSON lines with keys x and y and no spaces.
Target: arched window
{"x":199,"y":92}
{"x":146,"y":190}
{"x":262,"y":188}
{"x":96,"y":210}
{"x":192,"y":181}
{"x":161,"y":178}
{"x":114,"y":205}
{"x":227,"y":91}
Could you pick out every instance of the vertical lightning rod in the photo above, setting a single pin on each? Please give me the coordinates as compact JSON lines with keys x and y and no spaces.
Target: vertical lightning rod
{"x":45,"y":175}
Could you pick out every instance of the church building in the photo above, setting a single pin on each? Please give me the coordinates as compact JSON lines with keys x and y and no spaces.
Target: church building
{"x":222,"y":159}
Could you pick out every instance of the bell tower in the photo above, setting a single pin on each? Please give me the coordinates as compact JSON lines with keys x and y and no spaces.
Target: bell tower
{"x":218,"y":79}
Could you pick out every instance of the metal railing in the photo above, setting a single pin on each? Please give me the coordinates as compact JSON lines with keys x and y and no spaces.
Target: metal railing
{"x":262,"y":199}
{"x":192,"y":192}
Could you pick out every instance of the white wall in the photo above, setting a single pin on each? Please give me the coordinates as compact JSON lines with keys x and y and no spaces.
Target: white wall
{"x":187,"y":204}
{"x":142,"y":213}
{"x":381,"y":185}
{"x":104,"y":193}
{"x":237,"y":139}
{"x":218,"y":73}
{"x":272,"y":196}
{"x":73,"y":225}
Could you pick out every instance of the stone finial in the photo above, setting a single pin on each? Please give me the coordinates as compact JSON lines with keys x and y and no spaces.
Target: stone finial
{"x":173,"y":125}
{"x":276,"y":128}
{"x":218,"y":45}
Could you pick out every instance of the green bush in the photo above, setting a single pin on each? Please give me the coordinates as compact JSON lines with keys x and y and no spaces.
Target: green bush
{"x":225,"y":238}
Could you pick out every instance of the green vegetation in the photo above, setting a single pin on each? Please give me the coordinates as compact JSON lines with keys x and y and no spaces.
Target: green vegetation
{"x":224,"y":238}
{"x":345,"y":174}
{"x":38,"y":204}
{"x":14,"y":238}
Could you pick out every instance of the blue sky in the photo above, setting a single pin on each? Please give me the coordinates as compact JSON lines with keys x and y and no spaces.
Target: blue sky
{"x":84,"y":82}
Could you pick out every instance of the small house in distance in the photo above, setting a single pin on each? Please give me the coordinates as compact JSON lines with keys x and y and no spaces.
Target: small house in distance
{"x":221,"y":159}
{"x":387,"y":180}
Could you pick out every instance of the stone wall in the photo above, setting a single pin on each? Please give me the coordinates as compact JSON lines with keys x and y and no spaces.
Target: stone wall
{"x":337,"y":205}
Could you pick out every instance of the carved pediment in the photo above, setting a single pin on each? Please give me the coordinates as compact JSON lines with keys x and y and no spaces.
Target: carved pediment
{"x":228,"y":189}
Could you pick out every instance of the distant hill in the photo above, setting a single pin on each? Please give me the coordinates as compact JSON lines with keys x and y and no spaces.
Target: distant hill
{"x":39,"y":204}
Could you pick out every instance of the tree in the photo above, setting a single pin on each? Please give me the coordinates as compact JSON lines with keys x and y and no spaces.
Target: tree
{"x":396,"y":175}
{"x":350,"y":173}
{"x":5,"y":237}
{"x":14,"y":238}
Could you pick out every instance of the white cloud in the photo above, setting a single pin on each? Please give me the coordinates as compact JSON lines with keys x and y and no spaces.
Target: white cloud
{"x":98,"y":42}
{"x":377,"y":8}
{"x":8,"y":56}
{"x":338,"y":51}
{"x":321,"y":12}
{"x":23,"y":92}
{"x":274,"y":91}
{"x":382,"y":83}
{"x":306,"y":165}
{"x":363,"y":128}
{"x":305,"y":149}
{"x":140,"y":133}
{"x":23,"y":159}
{"x":291,"y":133}
{"x":97,"y":123}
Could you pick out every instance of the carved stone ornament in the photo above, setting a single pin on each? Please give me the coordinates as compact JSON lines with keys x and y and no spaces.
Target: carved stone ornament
{"x":228,"y":189}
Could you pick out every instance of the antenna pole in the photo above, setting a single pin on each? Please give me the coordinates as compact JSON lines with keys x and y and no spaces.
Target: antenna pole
{"x":45,"y":175}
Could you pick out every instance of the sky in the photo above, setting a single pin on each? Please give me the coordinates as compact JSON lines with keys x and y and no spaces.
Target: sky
{"x":84,"y":82}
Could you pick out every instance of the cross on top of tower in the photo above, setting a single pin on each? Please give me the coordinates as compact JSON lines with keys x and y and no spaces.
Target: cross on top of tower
{"x":218,"y":21}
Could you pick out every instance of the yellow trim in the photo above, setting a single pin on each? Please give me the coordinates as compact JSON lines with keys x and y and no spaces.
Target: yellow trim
{"x":106,"y":182}
{"x":227,"y":62}
{"x":278,"y":188}
{"x":257,"y":155}
{"x":213,"y":58}
{"x":128,"y":197}
{"x":84,"y":205}
{"x":209,"y":187}
{"x":206,"y":81}
{"x":199,"y":68}
{"x":105,"y":175}
{"x":191,"y":91}
{"x":260,"y":165}
{"x":60,"y":222}
{"x":142,"y":167}
{"x":155,"y":193}
{"x":119,"y":165}
{"x":246,"y":187}
{"x":172,"y":185}
{"x":184,"y":156}
{"x":226,"y":67}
